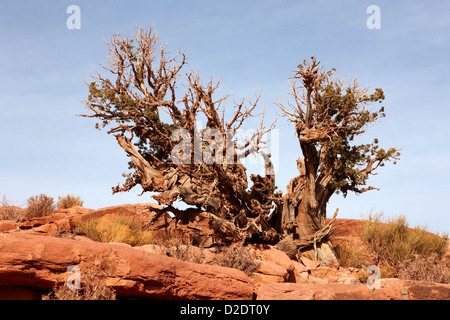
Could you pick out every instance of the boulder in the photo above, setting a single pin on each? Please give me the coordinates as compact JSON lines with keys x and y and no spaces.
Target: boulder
{"x":310,"y":264}
{"x":270,"y":253}
{"x":62,"y":220}
{"x":331,"y":275}
{"x":38,"y":261}
{"x":270,"y":268}
{"x":262,"y":279}
{"x":142,"y":210}
{"x":302,"y":277}
{"x":6,"y":225}
{"x":299,"y":267}
{"x":301,"y":274}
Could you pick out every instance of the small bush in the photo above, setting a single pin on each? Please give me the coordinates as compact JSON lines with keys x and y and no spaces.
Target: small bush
{"x":394,"y":243}
{"x":431,"y":268}
{"x":39,"y":206}
{"x":63,"y":232}
{"x":8,"y":211}
{"x":116,"y":229}
{"x":350,"y":255}
{"x":93,"y":287}
{"x":69,"y":201}
{"x":175,"y":247}
{"x":238,"y":258}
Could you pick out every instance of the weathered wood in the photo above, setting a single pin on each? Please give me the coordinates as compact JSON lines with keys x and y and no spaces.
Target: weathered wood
{"x":146,"y":81}
{"x":322,"y":250}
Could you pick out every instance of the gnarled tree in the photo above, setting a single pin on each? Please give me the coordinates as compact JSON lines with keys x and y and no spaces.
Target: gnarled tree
{"x":157,"y":124}
{"x":327,"y":115}
{"x":176,"y":157}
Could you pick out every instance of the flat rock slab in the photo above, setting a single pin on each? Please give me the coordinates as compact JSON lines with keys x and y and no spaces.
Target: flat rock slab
{"x":39,"y":261}
{"x":391,"y":289}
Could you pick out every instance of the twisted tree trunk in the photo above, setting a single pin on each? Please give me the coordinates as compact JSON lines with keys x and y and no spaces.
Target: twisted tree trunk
{"x":173,"y":158}
{"x":305,"y":232}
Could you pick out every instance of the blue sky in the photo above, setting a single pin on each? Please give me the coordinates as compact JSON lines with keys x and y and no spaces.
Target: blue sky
{"x":254,"y":46}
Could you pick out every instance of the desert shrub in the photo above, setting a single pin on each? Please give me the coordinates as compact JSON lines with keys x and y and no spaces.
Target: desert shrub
{"x":238,"y":258}
{"x":176,"y":248}
{"x":393,"y":242}
{"x":67,"y":233}
{"x":350,"y":255}
{"x":8,"y":211}
{"x":431,"y":268}
{"x":93,"y":287}
{"x":39,"y":206}
{"x":68,"y":201}
{"x":116,"y":229}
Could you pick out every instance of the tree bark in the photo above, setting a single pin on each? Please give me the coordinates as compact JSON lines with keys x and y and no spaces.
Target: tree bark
{"x":301,"y":213}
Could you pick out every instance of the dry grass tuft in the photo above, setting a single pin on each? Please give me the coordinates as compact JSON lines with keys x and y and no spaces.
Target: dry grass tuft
{"x":393,"y":242}
{"x":431,"y":268}
{"x":116,"y":229}
{"x":238,"y":258}
{"x":176,"y":248}
{"x":350,"y":255}
{"x":8,"y":211}
{"x":69,"y":201}
{"x":93,"y":287}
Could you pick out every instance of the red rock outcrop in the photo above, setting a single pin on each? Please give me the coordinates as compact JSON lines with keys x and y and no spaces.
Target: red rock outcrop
{"x":32,"y":261}
{"x":391,"y":289}
{"x":37,"y":261}
{"x":7,"y":225}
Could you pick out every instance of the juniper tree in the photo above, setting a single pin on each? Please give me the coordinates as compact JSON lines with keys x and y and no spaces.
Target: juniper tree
{"x":143,"y":86}
{"x":328,"y":115}
{"x":174,"y":157}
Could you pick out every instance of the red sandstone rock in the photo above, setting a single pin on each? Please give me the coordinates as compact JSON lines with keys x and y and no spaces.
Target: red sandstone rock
{"x":7,"y":225}
{"x":325,"y":273}
{"x":270,"y":268}
{"x":299,"y":267}
{"x":39,"y":261}
{"x":390,"y":290}
{"x":29,"y":260}
{"x":310,"y":264}
{"x":284,"y":291}
{"x":276,"y":256}
{"x":262,"y":279}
